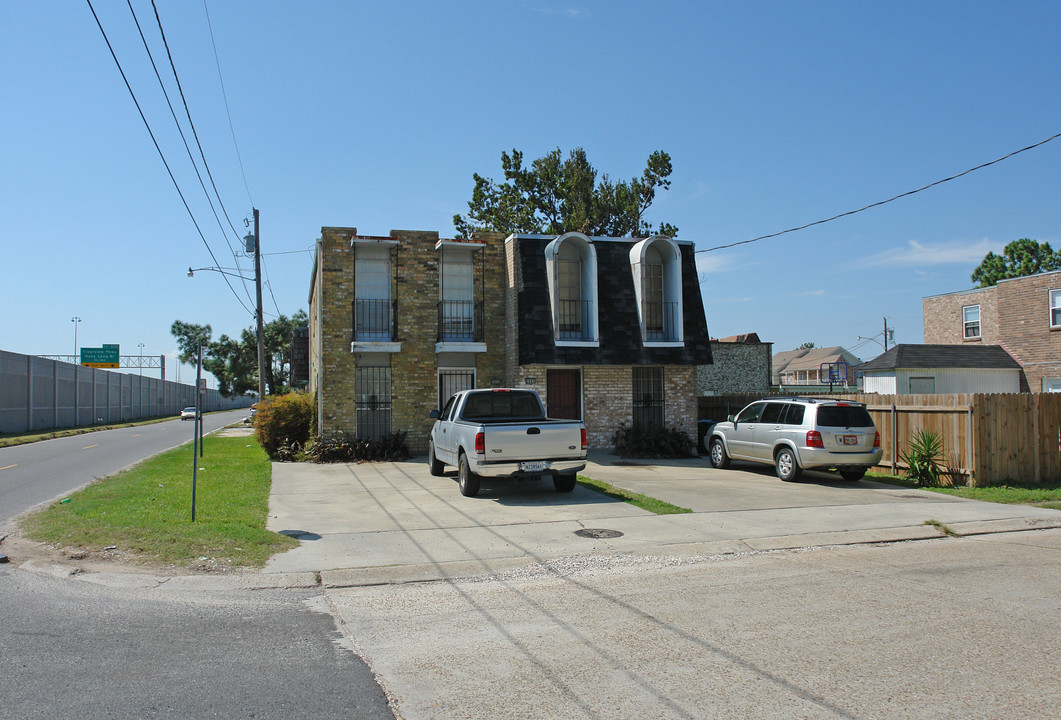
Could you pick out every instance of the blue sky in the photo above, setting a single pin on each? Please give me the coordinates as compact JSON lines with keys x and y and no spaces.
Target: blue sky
{"x":375,"y":115}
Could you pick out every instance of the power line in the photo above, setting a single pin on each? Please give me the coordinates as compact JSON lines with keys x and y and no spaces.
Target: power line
{"x":883,"y":202}
{"x":195,"y":134}
{"x":184,"y":138}
{"x":159,"y":149}
{"x":217,"y":60}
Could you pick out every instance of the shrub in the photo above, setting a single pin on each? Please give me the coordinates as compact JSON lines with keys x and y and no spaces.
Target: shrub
{"x":282,"y":424}
{"x":330,"y":450}
{"x":923,"y":457}
{"x":653,"y":443}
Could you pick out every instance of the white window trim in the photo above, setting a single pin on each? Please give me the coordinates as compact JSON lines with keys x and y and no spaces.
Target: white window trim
{"x":979,"y":323}
{"x":1056,"y":293}
{"x":672,"y":284}
{"x":588,"y":255}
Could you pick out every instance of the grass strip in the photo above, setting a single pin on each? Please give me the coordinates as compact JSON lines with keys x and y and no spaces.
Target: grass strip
{"x":1045,"y":495}
{"x":644,"y":502}
{"x":146,"y":511}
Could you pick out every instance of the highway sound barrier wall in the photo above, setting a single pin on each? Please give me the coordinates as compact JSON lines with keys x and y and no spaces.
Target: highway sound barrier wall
{"x":38,"y":395}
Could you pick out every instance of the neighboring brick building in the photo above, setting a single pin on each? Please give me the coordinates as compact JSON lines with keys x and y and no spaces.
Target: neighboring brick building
{"x":1023,"y":315}
{"x":609,"y":330}
{"x":740,"y":364}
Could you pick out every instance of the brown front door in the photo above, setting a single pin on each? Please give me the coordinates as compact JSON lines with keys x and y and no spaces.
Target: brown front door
{"x":563,"y":390}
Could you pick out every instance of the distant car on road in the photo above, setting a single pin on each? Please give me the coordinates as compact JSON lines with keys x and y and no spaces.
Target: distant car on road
{"x":188,"y":413}
{"x":797,"y":434}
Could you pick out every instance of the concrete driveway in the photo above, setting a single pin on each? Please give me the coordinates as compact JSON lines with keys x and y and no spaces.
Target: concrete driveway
{"x":390,"y":522}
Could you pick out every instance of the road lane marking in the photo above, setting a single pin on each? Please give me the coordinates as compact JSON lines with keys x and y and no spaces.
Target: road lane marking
{"x":89,"y":447}
{"x":137,"y":435}
{"x":8,"y":467}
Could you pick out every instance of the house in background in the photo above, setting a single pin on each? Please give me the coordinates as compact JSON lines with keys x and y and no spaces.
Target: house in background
{"x":739,"y":364}
{"x":1023,"y":315}
{"x":803,"y":368}
{"x":607,"y":330}
{"x":929,"y":369}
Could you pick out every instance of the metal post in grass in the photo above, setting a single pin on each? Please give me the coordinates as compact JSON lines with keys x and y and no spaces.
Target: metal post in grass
{"x":195,"y":426}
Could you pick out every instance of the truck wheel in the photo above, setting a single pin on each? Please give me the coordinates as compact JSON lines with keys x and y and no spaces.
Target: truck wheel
{"x":434,"y":466}
{"x":787,"y":467}
{"x":565,"y":482}
{"x":719,"y":458}
{"x":468,"y":481}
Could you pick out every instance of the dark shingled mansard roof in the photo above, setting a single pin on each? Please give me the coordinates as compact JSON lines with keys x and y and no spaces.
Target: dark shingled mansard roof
{"x":943,"y":356}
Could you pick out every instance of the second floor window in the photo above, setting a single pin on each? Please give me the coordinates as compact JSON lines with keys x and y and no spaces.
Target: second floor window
{"x":372,"y":294}
{"x":1055,"y":308}
{"x":971,"y":321}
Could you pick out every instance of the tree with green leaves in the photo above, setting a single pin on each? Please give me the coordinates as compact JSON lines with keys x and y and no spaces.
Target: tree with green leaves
{"x":1018,"y":259}
{"x":235,"y":362}
{"x":554,"y":196}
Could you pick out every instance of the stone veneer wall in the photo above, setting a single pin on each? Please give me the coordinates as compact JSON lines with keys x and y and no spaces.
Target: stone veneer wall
{"x":736,"y":368}
{"x":332,"y":369}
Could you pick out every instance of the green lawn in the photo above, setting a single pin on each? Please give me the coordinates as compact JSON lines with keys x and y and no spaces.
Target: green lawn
{"x":146,"y":511}
{"x":1047,"y":495}
{"x":642,"y":501}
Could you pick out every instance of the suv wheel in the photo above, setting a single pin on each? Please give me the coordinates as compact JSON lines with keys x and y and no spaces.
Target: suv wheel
{"x":717,"y":453}
{"x":787,"y":467}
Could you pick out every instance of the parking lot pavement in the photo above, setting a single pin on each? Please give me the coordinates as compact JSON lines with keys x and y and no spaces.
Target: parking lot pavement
{"x":383,"y":522}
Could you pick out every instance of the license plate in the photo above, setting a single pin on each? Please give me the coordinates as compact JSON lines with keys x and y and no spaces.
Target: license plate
{"x":536,"y":466}
{"x":848,"y":439}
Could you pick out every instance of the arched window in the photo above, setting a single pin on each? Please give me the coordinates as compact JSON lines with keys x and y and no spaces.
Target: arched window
{"x":656,"y":263}
{"x":571,"y":268}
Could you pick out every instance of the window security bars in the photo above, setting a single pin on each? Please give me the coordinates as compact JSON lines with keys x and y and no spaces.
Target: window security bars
{"x":573,"y":322}
{"x":648,"y":398}
{"x":661,"y":321}
{"x":460,"y":321}
{"x":451,"y":382}
{"x":376,"y":320}
{"x":372,"y":399}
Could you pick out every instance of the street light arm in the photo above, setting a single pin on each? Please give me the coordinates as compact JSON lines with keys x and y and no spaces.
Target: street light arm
{"x":223,"y":271}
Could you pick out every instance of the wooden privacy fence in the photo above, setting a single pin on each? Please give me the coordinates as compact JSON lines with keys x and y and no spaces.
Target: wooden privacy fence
{"x":991,"y":439}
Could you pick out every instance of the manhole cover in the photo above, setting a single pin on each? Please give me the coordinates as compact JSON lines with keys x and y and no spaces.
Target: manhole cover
{"x":598,"y":533}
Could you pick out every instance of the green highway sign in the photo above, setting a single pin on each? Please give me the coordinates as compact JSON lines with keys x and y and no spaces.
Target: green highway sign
{"x":101,"y":357}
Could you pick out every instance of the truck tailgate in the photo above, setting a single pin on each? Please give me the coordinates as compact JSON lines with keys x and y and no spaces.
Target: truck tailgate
{"x":530,"y":441}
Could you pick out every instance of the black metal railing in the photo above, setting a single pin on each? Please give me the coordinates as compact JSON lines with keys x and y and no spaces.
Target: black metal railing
{"x":376,"y":320}
{"x":574,"y":320}
{"x":460,"y":321}
{"x":661,"y":321}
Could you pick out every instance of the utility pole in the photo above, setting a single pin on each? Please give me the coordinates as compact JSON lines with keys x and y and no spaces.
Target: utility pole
{"x":885,"y":330}
{"x":261,"y":322}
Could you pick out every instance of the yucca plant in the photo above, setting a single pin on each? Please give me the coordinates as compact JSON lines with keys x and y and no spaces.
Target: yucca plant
{"x":923,"y":457}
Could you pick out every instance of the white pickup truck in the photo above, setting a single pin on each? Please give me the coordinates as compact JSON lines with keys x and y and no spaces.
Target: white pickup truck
{"x":504,"y":433}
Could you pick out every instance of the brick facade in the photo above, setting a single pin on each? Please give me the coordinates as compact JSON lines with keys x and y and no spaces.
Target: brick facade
{"x":1015,"y":314}
{"x":512,"y":313}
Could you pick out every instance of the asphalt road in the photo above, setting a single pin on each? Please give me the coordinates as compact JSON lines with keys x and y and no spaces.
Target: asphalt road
{"x":71,"y":649}
{"x":43,"y":471}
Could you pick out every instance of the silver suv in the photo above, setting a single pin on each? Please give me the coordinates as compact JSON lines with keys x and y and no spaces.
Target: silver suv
{"x":797,"y":434}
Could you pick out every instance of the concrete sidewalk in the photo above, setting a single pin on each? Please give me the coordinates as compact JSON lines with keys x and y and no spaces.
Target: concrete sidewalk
{"x":363,"y":524}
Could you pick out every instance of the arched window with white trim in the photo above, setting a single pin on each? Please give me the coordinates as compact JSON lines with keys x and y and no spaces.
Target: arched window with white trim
{"x":571,"y":268}
{"x":656,"y":264}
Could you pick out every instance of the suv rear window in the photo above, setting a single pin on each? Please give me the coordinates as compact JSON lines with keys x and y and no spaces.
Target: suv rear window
{"x":844,"y":416}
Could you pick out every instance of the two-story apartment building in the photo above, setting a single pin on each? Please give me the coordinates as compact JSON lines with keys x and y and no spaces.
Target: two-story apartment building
{"x":608,"y":330}
{"x":1023,"y":315}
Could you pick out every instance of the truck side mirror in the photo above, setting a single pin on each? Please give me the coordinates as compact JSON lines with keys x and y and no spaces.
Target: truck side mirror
{"x":433,"y":414}
{"x":731,"y":418}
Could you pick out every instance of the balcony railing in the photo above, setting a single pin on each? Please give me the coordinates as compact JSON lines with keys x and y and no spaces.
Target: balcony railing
{"x":376,"y":320}
{"x":460,"y":321}
{"x":574,"y":320}
{"x":661,"y":321}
